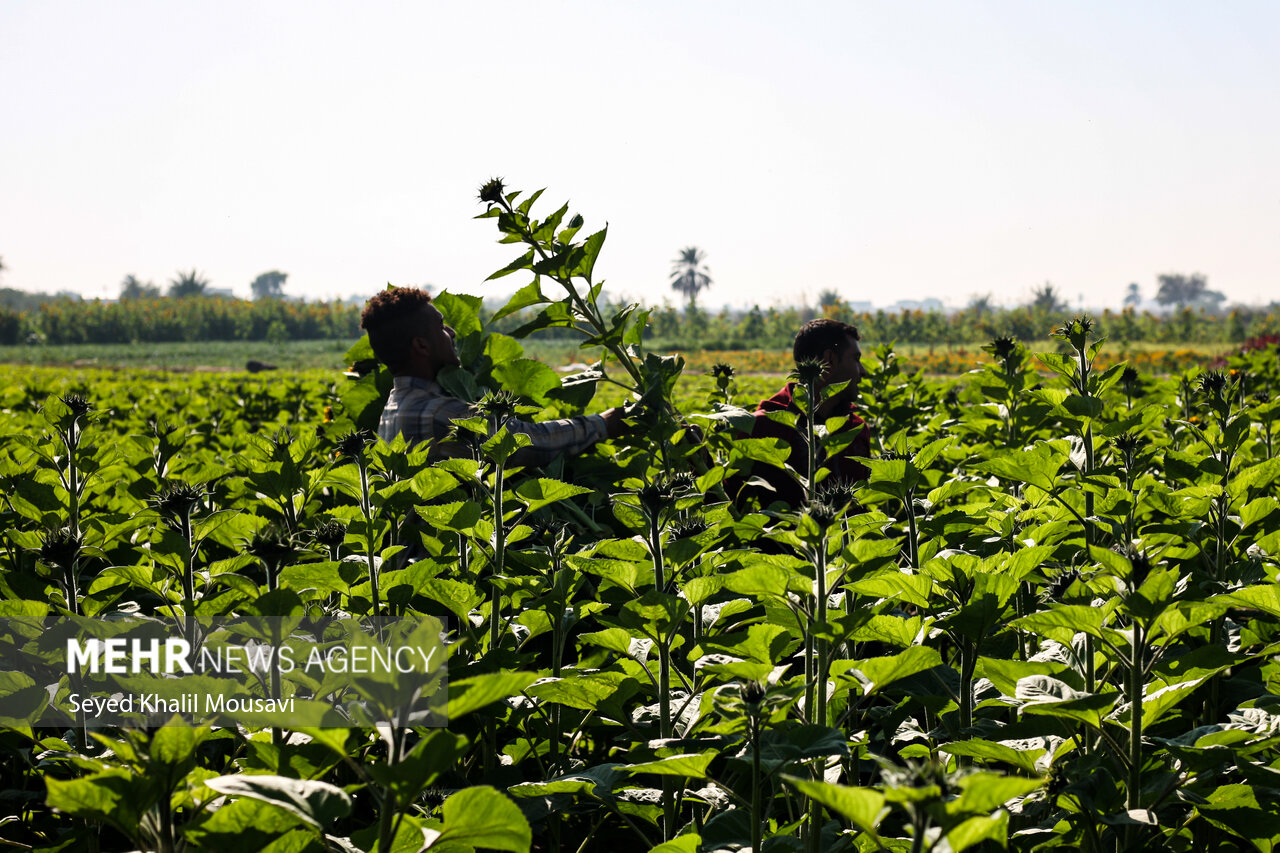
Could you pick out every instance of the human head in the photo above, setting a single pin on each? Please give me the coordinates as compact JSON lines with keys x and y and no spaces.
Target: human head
{"x":835,"y":343}
{"x":407,"y":332}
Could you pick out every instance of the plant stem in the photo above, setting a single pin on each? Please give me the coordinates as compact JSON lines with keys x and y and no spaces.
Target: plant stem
{"x":366,"y":508}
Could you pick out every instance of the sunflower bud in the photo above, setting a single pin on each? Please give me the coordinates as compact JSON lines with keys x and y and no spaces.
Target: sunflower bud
{"x":1004,"y":348}
{"x":61,"y":547}
{"x":330,"y":534}
{"x":809,"y":371}
{"x":753,"y":693}
{"x":77,"y":405}
{"x":1075,"y":332}
{"x":1212,"y":383}
{"x":274,"y":547}
{"x":498,"y":406}
{"x":688,"y":528}
{"x":353,"y":444}
{"x":491,"y":192}
{"x":177,"y":502}
{"x":1058,"y":587}
{"x":1141,"y":567}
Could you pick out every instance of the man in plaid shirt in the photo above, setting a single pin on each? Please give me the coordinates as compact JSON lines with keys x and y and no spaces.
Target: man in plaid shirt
{"x":408,"y":334}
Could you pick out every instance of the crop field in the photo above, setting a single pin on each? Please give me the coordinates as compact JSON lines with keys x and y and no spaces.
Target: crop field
{"x":1049,"y":618}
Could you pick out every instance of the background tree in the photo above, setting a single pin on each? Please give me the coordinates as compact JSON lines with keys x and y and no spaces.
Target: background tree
{"x":269,"y":285}
{"x":1182,"y":291}
{"x":188,"y":284}
{"x":979,"y":305}
{"x":1048,"y":300}
{"x":689,"y":275}
{"x":1133,"y":295}
{"x":134,"y":288}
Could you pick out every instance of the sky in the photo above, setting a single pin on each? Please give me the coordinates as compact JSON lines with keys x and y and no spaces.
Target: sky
{"x":944,"y":148}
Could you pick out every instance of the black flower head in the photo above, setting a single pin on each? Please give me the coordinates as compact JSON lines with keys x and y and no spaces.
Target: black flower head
{"x":1262,"y":398}
{"x":809,"y":371}
{"x":1141,"y":566}
{"x":61,"y":547}
{"x":330,"y":534}
{"x":823,"y":514}
{"x":352,"y":444}
{"x":1056,"y":781}
{"x":1075,"y":331}
{"x":753,"y":693}
{"x":554,"y":534}
{"x":491,"y":192}
{"x":839,"y":492}
{"x":1129,"y":377}
{"x":662,"y":493}
{"x":178,"y":501}
{"x":77,"y":405}
{"x":1060,"y":584}
{"x":1212,"y":383}
{"x":273,"y":546}
{"x":1130,"y":445}
{"x":497,"y":405}
{"x":1003,"y":347}
{"x":161,"y":429}
{"x":720,"y":370}
{"x":688,"y":528}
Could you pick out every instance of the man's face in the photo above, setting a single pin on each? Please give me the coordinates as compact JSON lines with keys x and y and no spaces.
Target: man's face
{"x":435,"y":339}
{"x":845,"y":366}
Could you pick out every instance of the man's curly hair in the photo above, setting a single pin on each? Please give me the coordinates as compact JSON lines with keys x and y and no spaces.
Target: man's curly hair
{"x":391,"y":319}
{"x":817,"y":336}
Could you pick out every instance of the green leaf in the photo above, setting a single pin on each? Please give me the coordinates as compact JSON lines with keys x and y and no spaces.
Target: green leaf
{"x":523,"y":262}
{"x":530,"y":294}
{"x":1024,"y":760}
{"x":981,"y":792}
{"x":526,"y":377}
{"x":1235,"y":808}
{"x":693,"y":766}
{"x":434,"y":754}
{"x":978,"y":829}
{"x":539,"y":492}
{"x":582,"y":691}
{"x":590,"y":252}
{"x":1038,"y":466}
{"x":1041,"y":694}
{"x":876,"y":673}
{"x":117,"y":796}
{"x":480,"y":816}
{"x":471,"y":694}
{"x":863,"y":807}
{"x":461,"y":311}
{"x":317,"y":803}
{"x":690,"y":843}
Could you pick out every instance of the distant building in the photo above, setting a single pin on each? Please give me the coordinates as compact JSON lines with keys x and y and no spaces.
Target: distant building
{"x":928,"y":304}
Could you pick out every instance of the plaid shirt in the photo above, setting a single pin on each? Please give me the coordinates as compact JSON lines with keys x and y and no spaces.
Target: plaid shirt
{"x":421,"y":410}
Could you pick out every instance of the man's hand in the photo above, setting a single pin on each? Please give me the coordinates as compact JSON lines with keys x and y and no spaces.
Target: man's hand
{"x":613,"y":421}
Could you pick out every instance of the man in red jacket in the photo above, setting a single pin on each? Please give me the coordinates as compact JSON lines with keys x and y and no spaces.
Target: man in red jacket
{"x":835,"y":344}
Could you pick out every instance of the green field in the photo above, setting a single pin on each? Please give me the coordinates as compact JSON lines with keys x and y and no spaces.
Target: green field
{"x":1052,"y":603}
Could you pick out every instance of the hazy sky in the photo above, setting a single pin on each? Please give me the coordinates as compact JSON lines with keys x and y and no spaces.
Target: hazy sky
{"x":885,"y":150}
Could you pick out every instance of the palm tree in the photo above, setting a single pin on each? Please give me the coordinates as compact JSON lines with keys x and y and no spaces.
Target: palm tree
{"x":269,"y":285}
{"x":1048,"y":299}
{"x":188,"y":284}
{"x":134,"y":288}
{"x":688,"y":275}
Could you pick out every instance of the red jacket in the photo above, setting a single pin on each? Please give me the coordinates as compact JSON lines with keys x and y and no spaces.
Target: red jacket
{"x":843,"y":467}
